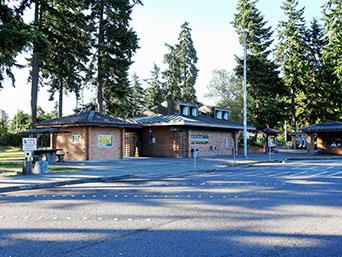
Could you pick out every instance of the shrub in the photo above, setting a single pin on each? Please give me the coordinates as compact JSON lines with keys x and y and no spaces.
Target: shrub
{"x":11,"y":139}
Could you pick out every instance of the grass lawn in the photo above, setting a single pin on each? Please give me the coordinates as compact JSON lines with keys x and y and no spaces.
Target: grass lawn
{"x":11,"y":154}
{"x":11,"y":161}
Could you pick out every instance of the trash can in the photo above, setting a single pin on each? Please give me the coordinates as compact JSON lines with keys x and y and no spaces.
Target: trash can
{"x":27,"y":168}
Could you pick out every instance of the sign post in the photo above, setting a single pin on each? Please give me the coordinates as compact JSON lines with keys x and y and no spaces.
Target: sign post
{"x":195,"y":154}
{"x":269,"y":148}
{"x":29,"y":146}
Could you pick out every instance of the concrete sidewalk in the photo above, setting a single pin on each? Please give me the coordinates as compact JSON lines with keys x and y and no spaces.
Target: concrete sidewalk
{"x":138,"y":168}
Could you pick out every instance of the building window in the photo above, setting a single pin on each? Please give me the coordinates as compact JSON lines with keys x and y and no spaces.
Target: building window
{"x":225,"y":115}
{"x":105,"y":141}
{"x":185,"y":110}
{"x":218,"y":115}
{"x":76,"y":138}
{"x":194,"y":111}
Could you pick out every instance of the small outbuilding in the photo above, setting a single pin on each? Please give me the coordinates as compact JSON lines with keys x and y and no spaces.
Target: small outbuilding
{"x":328,"y":136}
{"x":93,"y":136}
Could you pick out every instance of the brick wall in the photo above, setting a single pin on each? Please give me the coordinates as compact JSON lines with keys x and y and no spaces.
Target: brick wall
{"x":79,"y":152}
{"x":175,"y":142}
{"x":72,"y":151}
{"x":104,"y":153}
{"x":164,"y":142}
{"x":216,"y":142}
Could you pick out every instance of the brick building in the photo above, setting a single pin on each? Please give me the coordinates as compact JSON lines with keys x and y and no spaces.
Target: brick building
{"x":93,"y":136}
{"x":174,"y":128}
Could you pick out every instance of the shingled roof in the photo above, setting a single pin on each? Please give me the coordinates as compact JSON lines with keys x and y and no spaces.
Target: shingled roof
{"x":88,"y":119}
{"x":180,"y":120}
{"x":327,"y":126}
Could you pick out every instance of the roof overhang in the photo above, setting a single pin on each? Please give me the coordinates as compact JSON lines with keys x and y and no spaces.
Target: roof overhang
{"x":89,"y":125}
{"x":192,"y":124}
{"x":44,"y":131}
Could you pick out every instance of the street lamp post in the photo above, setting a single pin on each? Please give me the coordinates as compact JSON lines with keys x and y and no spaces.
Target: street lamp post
{"x":244,"y":96}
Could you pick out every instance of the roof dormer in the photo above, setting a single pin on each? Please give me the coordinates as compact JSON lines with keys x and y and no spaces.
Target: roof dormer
{"x":188,"y":109}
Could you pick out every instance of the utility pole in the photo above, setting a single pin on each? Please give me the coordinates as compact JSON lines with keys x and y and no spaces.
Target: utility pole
{"x":244,"y":95}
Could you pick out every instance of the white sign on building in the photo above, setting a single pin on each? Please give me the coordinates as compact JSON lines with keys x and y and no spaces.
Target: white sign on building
{"x":29,"y":144}
{"x":229,"y":142}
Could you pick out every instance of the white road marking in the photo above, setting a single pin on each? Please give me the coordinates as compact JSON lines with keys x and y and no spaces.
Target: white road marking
{"x":333,"y":174}
{"x":318,"y":174}
{"x":298,"y":173}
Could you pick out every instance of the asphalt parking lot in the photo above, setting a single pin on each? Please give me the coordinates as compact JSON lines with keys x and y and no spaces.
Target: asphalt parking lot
{"x":289,"y":209}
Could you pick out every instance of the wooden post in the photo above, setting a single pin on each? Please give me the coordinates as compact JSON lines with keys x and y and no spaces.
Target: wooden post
{"x":310,"y":144}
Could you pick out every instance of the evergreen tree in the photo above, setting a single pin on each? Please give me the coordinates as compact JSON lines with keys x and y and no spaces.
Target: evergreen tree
{"x":14,"y":36}
{"x":153,"y":94}
{"x":264,"y":87}
{"x":136,"y":97}
{"x":3,"y":122}
{"x":39,"y":46}
{"x":259,"y":36}
{"x":115,"y":43}
{"x":332,"y":59}
{"x":187,"y":57}
{"x":172,"y":74}
{"x":291,"y":55}
{"x":314,"y":101}
{"x":64,"y":64}
{"x":333,"y":23}
{"x":181,"y":72}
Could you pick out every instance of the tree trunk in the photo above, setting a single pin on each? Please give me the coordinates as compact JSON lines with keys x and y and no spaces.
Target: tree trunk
{"x":60,"y":100}
{"x":100,"y":62}
{"x":35,"y":71}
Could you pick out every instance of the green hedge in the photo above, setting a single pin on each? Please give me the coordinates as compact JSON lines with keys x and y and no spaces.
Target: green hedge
{"x":10,"y":139}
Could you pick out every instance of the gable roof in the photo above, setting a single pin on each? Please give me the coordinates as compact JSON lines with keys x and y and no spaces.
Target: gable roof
{"x":327,"y":126}
{"x":180,"y":120}
{"x":89,"y":118}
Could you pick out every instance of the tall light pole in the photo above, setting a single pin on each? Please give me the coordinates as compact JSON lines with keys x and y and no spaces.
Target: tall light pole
{"x":244,"y":95}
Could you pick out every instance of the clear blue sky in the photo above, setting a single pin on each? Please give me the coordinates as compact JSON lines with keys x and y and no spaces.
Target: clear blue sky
{"x":158,"y":22}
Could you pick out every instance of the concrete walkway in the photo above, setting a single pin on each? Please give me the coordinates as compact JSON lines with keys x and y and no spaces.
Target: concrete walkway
{"x":139,"y":168}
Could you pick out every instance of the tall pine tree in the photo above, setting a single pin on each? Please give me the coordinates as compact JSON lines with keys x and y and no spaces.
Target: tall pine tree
{"x":264,"y":87}
{"x":314,"y":102}
{"x":115,"y":43}
{"x":63,"y":66}
{"x":14,"y":36}
{"x":136,"y":97}
{"x":154,"y":93}
{"x":187,"y":57}
{"x":172,"y":74}
{"x":291,"y":55}
{"x":40,"y":45}
{"x":332,"y":58}
{"x":181,"y":73}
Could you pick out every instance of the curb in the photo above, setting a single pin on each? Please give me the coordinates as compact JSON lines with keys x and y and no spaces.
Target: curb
{"x":64,"y":183}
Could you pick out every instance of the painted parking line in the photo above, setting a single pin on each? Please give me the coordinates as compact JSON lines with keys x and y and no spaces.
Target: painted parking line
{"x":333,"y":174}
{"x":298,"y":173}
{"x":257,"y":173}
{"x":319,"y":174}
{"x":280,"y":174}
